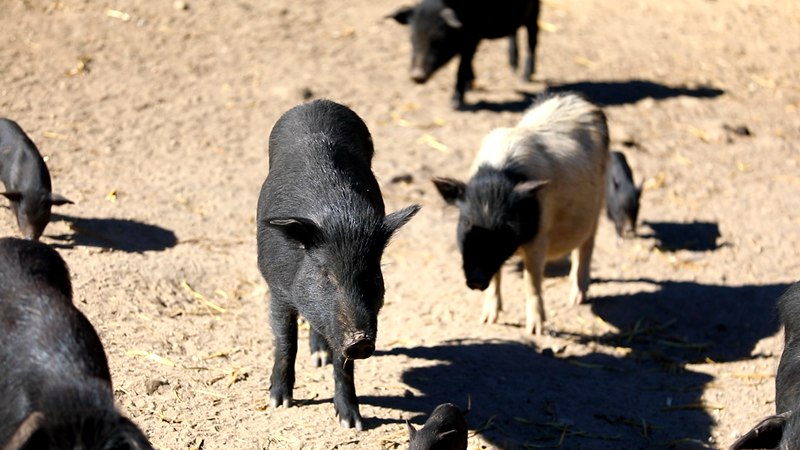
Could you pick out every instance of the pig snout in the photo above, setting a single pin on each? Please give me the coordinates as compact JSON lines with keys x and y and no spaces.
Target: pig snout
{"x":359,"y":347}
{"x":418,"y":75}
{"x":478,"y":280}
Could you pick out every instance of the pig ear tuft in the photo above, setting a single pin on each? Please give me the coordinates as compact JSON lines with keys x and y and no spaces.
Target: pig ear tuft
{"x":303,"y":231}
{"x":411,"y":430}
{"x":402,"y":15}
{"x":58,"y":199}
{"x":25,"y":431}
{"x":528,"y":188}
{"x":12,"y":195}
{"x":451,"y":18}
{"x":452,"y":191}
{"x":397,"y":219}
{"x":767,"y":434}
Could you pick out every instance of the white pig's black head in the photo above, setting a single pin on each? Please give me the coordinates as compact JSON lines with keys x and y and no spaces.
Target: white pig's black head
{"x":435,"y":31}
{"x":32,"y":209}
{"x":338,"y":284}
{"x":498,"y":212}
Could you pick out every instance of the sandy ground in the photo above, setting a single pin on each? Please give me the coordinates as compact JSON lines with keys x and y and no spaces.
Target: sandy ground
{"x":154,"y":120}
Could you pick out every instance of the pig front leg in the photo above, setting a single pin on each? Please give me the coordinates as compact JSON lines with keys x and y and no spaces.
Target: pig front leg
{"x":534,"y":255}
{"x":532,"y":26}
{"x":284,"y":328}
{"x":465,"y":74}
{"x":492,"y":302}
{"x":320,"y":351}
{"x":344,"y":398}
{"x":579,"y":274}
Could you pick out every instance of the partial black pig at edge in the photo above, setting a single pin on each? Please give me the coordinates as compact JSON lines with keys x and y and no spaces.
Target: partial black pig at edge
{"x":443,"y":29}
{"x":622,"y":196}
{"x":322,"y":230}
{"x":782,"y":430}
{"x":56,"y":386}
{"x":445,"y":429}
{"x":27,"y":180}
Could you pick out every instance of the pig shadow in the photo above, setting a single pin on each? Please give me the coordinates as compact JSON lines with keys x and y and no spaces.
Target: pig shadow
{"x":643,"y":396}
{"x":604,"y":93}
{"x":695,"y":236}
{"x":117,"y":234}
{"x":683,"y":321}
{"x":524,"y":399}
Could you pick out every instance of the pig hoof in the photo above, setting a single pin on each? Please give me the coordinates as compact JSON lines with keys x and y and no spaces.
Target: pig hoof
{"x":321,"y":358}
{"x":276,"y":402}
{"x":352,"y":423}
{"x":578,"y":298}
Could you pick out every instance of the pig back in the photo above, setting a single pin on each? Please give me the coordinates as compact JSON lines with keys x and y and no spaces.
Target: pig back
{"x":787,"y":380}
{"x":21,"y":165}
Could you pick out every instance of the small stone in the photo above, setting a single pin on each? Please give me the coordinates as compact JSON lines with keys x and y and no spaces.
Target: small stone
{"x":180,"y":5}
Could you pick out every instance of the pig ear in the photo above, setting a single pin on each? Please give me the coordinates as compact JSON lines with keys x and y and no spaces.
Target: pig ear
{"x":24,"y":431}
{"x":441,"y":436}
{"x":767,"y":434}
{"x":397,"y":219}
{"x":57,"y":199}
{"x":411,"y":430}
{"x":402,"y":15}
{"x":303,"y":231}
{"x":528,"y":188}
{"x":451,"y":18}
{"x":13,"y":195}
{"x":452,"y":191}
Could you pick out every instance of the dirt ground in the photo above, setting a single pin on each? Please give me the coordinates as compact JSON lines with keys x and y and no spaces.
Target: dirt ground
{"x":155,"y":117}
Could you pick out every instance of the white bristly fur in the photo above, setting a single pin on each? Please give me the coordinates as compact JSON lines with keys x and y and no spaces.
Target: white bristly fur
{"x":563,"y":139}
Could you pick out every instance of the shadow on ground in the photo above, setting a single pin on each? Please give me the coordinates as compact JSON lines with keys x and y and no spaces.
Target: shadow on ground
{"x":695,"y":236}
{"x":604,"y":93}
{"x":118,"y":234}
{"x":635,"y":391}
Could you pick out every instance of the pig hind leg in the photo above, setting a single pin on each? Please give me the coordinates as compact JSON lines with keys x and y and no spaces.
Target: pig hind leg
{"x":320,"y":351}
{"x":532,"y":26}
{"x":534,"y":256}
{"x":492,"y":302}
{"x":284,"y":328}
{"x":580,"y":273}
{"x":344,"y":398}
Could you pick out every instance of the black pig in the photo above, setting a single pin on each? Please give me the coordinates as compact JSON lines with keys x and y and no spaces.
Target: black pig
{"x":322,"y":230}
{"x":622,"y":196}
{"x":55,"y":384}
{"x":442,"y":29}
{"x":782,"y":430}
{"x":445,"y":429}
{"x":27,"y":180}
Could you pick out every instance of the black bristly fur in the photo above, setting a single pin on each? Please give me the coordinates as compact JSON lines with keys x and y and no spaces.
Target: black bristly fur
{"x":322,"y":230}
{"x":53,"y":361}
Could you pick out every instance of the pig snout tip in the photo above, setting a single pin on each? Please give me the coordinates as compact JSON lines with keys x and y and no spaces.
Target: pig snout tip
{"x":419,"y":76}
{"x":478,"y":285}
{"x":359,"y":348}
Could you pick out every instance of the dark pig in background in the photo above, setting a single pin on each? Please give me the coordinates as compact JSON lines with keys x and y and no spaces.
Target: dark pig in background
{"x":27,"y":180}
{"x":445,"y":429}
{"x":622,"y":196}
{"x":55,"y":384}
{"x":538,"y":189}
{"x":442,"y":29}
{"x":322,"y":229}
{"x":782,"y":429}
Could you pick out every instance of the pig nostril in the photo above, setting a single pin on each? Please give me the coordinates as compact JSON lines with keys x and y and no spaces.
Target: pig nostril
{"x":361,"y":349}
{"x":477,"y":285}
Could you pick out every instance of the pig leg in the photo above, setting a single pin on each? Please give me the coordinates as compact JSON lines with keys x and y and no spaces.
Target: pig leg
{"x":284,"y":327}
{"x":465,"y":73}
{"x":492,"y":302}
{"x":320,"y":351}
{"x":532,"y":27}
{"x":513,"y":52}
{"x":579,"y":273}
{"x":344,"y":398}
{"x":534,"y":255}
